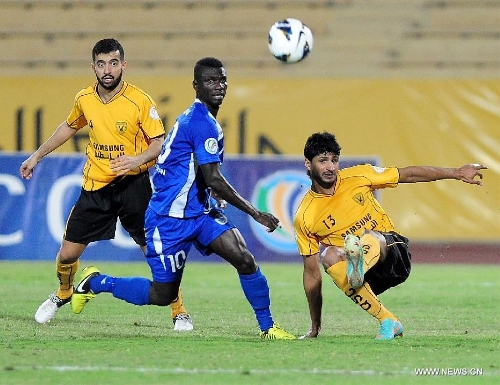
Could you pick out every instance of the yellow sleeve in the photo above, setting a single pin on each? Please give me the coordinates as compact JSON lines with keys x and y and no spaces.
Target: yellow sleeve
{"x":382,"y":177}
{"x":76,"y":118}
{"x":151,"y":123}
{"x":307,"y":243}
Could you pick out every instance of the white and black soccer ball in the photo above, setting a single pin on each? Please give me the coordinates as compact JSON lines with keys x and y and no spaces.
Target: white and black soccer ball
{"x":290,"y":40}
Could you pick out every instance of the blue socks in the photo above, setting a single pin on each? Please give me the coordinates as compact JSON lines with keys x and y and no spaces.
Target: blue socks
{"x":256,"y":291}
{"x":133,"y":290}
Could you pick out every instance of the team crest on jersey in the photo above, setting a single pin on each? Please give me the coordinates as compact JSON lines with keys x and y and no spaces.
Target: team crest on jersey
{"x":153,"y":113}
{"x":121,"y":127}
{"x":211,"y":146}
{"x":359,"y":198}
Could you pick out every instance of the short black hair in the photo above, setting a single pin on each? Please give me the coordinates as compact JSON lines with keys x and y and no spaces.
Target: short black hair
{"x":106,"y":46}
{"x":321,"y":143}
{"x":206,"y":62}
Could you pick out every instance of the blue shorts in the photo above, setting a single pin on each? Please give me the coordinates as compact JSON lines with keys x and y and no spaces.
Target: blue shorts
{"x":169,"y":240}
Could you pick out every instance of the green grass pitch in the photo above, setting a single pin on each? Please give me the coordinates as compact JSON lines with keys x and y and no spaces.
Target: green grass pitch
{"x":450,"y":314}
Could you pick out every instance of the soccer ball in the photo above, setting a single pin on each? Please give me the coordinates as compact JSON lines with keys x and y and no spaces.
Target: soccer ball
{"x":290,"y":40}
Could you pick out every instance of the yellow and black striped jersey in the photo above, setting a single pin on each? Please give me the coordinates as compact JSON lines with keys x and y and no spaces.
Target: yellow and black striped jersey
{"x":327,"y":219}
{"x":122,"y":126}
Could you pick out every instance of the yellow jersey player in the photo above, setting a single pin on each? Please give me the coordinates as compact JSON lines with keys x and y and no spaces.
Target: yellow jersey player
{"x":125,"y":138}
{"x":362,"y":252}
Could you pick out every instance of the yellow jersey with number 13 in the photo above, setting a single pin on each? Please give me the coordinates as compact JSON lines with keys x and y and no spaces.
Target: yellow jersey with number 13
{"x":122,"y":126}
{"x":327,"y":219}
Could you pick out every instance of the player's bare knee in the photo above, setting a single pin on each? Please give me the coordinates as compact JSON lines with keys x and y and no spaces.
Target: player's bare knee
{"x":70,"y":252}
{"x":331,"y":255}
{"x":66,"y":258}
{"x":246,"y":264}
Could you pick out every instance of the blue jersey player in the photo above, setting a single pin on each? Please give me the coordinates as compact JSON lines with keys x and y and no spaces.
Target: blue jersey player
{"x":184,"y":210}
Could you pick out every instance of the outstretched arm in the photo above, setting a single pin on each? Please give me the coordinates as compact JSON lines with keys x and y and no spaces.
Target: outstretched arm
{"x":60,"y":136}
{"x":466,"y":173}
{"x":216,"y":181}
{"x":311,"y":280}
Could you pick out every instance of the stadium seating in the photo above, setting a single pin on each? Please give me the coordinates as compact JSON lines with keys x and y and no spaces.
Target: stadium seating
{"x":361,"y":38}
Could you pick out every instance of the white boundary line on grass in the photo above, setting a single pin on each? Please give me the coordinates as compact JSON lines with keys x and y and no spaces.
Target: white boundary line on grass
{"x":367,"y":372}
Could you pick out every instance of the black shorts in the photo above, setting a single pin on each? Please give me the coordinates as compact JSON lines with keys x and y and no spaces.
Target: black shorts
{"x":396,"y":267}
{"x":94,"y":216}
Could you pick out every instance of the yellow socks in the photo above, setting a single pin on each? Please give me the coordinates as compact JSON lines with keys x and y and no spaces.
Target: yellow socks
{"x":364,"y":296}
{"x":66,"y":275}
{"x":177,"y":306}
{"x":371,"y":250}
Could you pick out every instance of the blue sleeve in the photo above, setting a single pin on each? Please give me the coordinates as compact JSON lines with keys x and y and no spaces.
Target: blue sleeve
{"x":204,"y":136}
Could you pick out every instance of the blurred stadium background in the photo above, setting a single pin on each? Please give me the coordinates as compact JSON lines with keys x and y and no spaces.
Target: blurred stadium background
{"x":409,"y":82}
